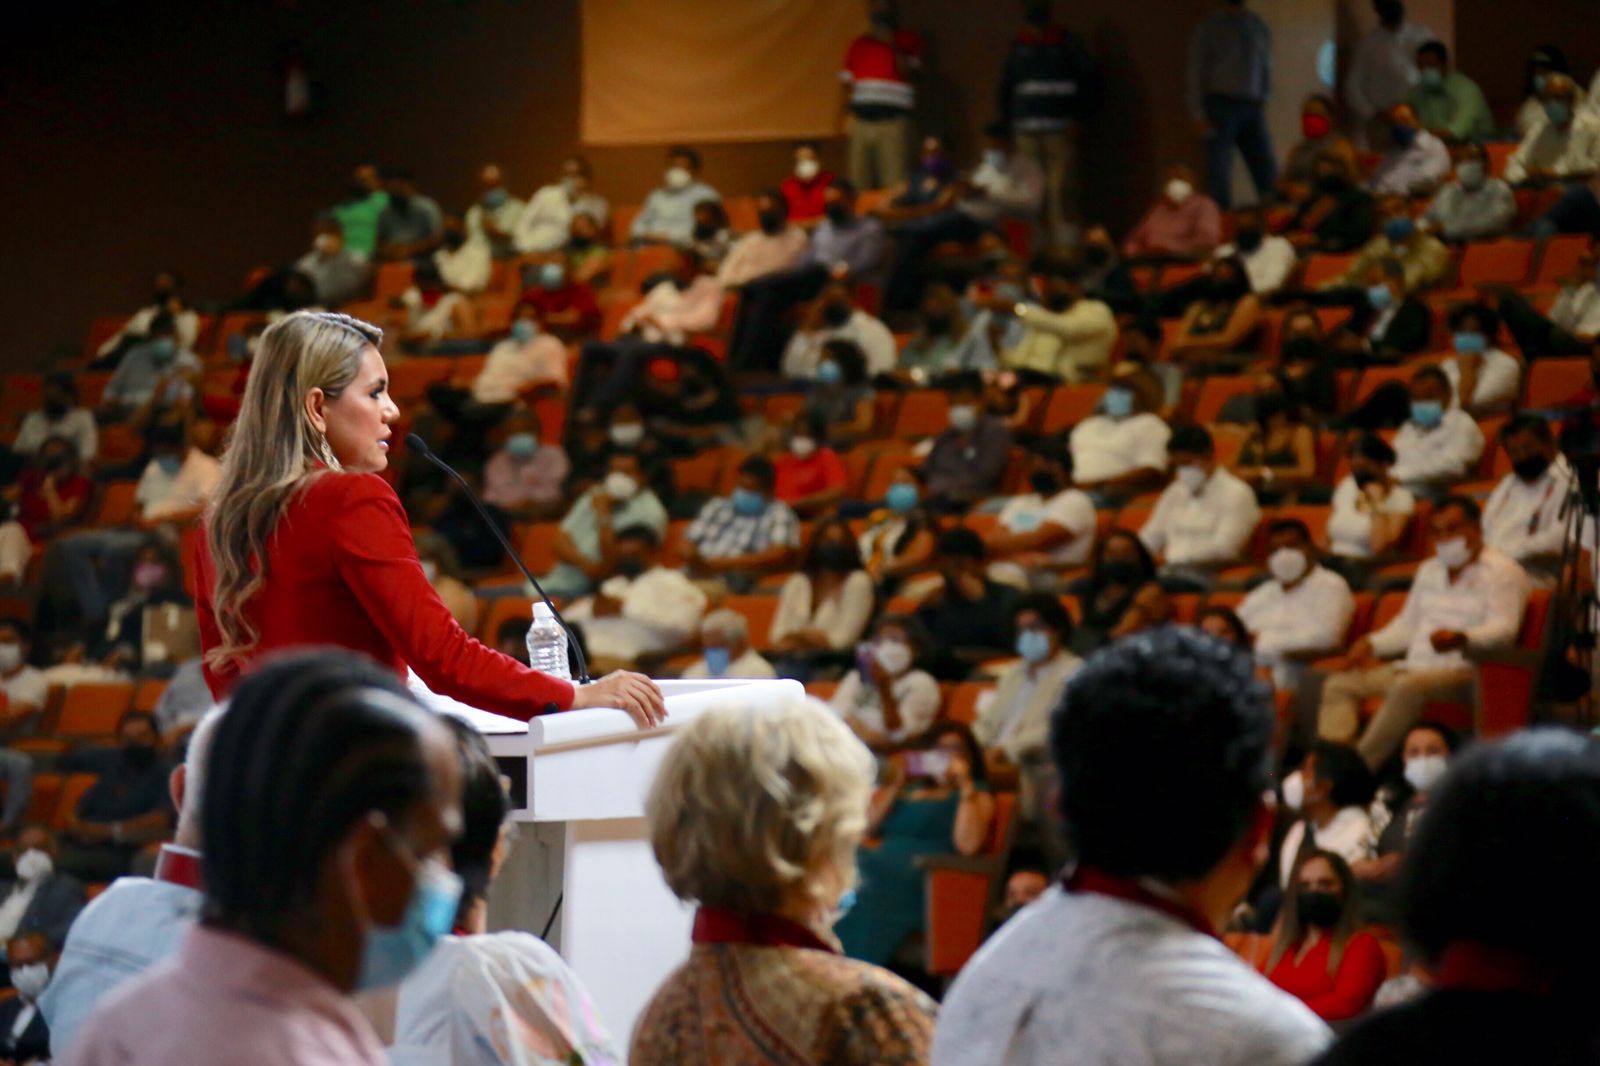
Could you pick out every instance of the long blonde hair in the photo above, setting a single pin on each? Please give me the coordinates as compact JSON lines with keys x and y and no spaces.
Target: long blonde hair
{"x":273,"y":452}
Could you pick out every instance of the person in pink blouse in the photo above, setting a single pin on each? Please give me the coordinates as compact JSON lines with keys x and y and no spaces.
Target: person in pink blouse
{"x":327,"y":827}
{"x":1183,"y":223}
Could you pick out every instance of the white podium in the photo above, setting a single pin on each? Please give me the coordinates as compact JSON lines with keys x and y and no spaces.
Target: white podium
{"x":578,"y":782}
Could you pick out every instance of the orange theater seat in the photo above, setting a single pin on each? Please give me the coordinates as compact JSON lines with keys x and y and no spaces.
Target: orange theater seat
{"x":758,"y":612}
{"x":501,"y":610}
{"x":923,"y":413}
{"x":538,"y":547}
{"x":1325,"y":267}
{"x":1560,"y":260}
{"x":392,"y":279}
{"x":963,"y":891}
{"x":1504,"y":262}
{"x":72,"y":790}
{"x":1070,"y":404}
{"x":1554,"y":382}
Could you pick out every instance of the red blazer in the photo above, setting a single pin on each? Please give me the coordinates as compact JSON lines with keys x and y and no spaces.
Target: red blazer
{"x":343,"y":571}
{"x":1344,"y":994}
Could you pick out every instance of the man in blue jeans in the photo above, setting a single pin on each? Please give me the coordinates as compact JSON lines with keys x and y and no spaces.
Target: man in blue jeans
{"x":1230,"y":75}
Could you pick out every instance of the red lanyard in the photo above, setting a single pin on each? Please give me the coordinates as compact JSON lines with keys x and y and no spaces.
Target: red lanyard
{"x":1129,"y":890}
{"x":178,"y":867}
{"x":719,"y":925}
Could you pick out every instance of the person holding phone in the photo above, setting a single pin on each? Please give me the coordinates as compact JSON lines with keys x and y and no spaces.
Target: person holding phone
{"x":886,"y":700}
{"x":934,"y":799}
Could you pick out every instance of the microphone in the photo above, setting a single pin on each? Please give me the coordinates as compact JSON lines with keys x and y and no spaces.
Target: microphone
{"x":420,"y":446}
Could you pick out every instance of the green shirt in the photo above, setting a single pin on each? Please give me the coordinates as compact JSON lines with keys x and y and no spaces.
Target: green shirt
{"x":1457,"y":107}
{"x":359,"y":220}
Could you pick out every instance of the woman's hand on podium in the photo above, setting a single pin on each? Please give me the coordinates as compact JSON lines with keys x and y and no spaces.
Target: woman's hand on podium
{"x":634,"y":693}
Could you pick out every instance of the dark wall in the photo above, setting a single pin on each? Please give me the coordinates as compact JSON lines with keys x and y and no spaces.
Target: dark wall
{"x":142,"y":134}
{"x":1493,"y":39}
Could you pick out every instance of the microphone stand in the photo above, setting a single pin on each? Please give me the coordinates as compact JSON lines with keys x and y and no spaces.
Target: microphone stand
{"x":420,"y":446}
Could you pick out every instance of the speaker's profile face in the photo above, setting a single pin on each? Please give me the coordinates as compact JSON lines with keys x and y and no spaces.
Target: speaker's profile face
{"x":358,"y":421}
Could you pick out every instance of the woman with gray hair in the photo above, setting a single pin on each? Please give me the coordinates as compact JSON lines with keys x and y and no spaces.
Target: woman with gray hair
{"x":755,"y":817}
{"x":305,"y":544}
{"x":726,"y":651}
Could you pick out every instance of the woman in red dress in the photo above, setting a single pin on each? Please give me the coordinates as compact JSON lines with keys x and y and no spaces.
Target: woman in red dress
{"x":1320,"y":953}
{"x":304,"y":544}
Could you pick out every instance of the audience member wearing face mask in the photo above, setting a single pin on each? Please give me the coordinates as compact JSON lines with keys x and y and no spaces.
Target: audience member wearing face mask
{"x":158,"y":371}
{"x":934,"y":800}
{"x":1425,"y":755}
{"x":900,"y":537}
{"x":667,"y":216}
{"x":1182,"y":223}
{"x":24,"y":1036}
{"x":125,"y":810}
{"x":1321,"y":953}
{"x":562,"y":305}
{"x":545,"y":223}
{"x":1449,"y":103}
{"x":59,"y":415}
{"x":585,"y":547}
{"x":411,"y":225}
{"x":1336,"y":212}
{"x":1564,"y":146}
{"x":806,"y":186}
{"x":492,"y":220}
{"x":39,"y":899}
{"x":1526,"y":516}
{"x":1414,"y":161}
{"x":971,"y":616}
{"x":51,"y":497}
{"x":833,"y":315}
{"x":1439,"y":444}
{"x":1484,"y":378}
{"x":1302,"y":611}
{"x":1204,"y":518}
{"x":1224,"y":314}
{"x":946,"y":339}
{"x":725,"y":650}
{"x":1066,"y":337}
{"x":1327,"y":799}
{"x":1370,"y":509}
{"x":642,"y":609}
{"x":1467,"y":596}
{"x":825,"y":606}
{"x":776,"y":246}
{"x":739,"y":537}
{"x":134,"y":634}
{"x":1122,"y":447}
{"x":1383,"y":69}
{"x":1475,"y":206}
{"x":1423,"y":257}
{"x":166,"y":299}
{"x":968,"y":459}
{"x":327,"y":872}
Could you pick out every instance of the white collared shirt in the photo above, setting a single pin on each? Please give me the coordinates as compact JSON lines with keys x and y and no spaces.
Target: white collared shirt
{"x":1268,"y":267}
{"x":1350,"y":526}
{"x":1069,"y":509}
{"x":1577,"y":309}
{"x":1206,"y":529}
{"x":1485,"y":601}
{"x":1311,"y":616}
{"x":1446,"y":452}
{"x":1499,"y":379}
{"x":1104,"y":448}
{"x":1524,"y":519}
{"x":1349,"y":835}
{"x":1422,"y":164}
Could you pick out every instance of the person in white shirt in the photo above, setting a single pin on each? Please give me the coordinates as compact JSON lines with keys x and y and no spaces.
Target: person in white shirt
{"x":168,"y":299}
{"x":1565,"y":145}
{"x":1384,"y":69}
{"x":667,"y":216}
{"x":176,"y":484}
{"x":1123,"y":447}
{"x":1475,"y":206}
{"x":1268,"y":258}
{"x":1526,"y":516}
{"x":1329,"y":794}
{"x":1440,"y":443}
{"x":725,"y":650}
{"x":528,"y":358}
{"x":1543,"y":62}
{"x":1049,"y":528}
{"x":677,"y":307}
{"x":457,"y":270}
{"x":834,"y":316}
{"x":825,"y":605}
{"x":1163,"y":746}
{"x":886,"y":698}
{"x":492,"y":221}
{"x":1415,"y":161}
{"x":1484,"y":379}
{"x":23,"y":686}
{"x":1205,"y":517}
{"x":546,"y":220}
{"x":1370,"y":509}
{"x":1013,"y":724}
{"x":1573,"y":321}
{"x":59,"y":416}
{"x":645,"y":609}
{"x":1467,"y":597}
{"x":1302,"y":612}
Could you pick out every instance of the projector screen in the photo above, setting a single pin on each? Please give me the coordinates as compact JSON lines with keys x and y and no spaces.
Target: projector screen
{"x":659,"y":71}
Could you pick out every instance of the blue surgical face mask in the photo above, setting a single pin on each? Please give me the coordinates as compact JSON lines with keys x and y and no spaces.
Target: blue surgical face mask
{"x":1033,"y":645}
{"x":747,"y":503}
{"x":495,"y":198}
{"x":994,"y":159}
{"x":1427,"y":413}
{"x":1471,"y":342}
{"x":829,"y":372}
{"x":1117,"y":402}
{"x":1379,"y":297}
{"x":1399,"y":230}
{"x":717,"y":661}
{"x":522,"y":445}
{"x":163,"y":348}
{"x":901,"y":498}
{"x":170,"y":464}
{"x":1539,"y":82}
{"x":552,"y":276}
{"x":1431,"y":77}
{"x":524,"y":329}
{"x":1558,"y":111}
{"x":391,"y":953}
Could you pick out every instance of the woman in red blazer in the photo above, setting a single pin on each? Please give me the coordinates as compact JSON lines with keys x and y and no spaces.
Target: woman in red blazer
{"x":304,"y":544}
{"x":1321,"y":953}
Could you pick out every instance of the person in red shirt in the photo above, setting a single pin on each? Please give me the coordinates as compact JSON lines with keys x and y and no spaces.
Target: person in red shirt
{"x":565,"y":307}
{"x":305,"y":544}
{"x":806,"y":189}
{"x":811,"y":478}
{"x":50,"y":496}
{"x":1320,"y":954}
{"x":875,"y":108}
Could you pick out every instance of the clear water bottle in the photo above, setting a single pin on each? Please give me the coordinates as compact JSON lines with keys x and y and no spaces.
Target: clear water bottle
{"x":547,"y":643}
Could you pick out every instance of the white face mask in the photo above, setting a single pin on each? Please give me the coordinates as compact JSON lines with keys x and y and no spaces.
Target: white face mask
{"x":678,"y":177}
{"x":1424,"y":771}
{"x":430,"y":570}
{"x":803,"y":447}
{"x":1294,"y":791}
{"x":1288,"y":565}
{"x":34,"y":865}
{"x":1179,"y":190}
{"x":620,"y":486}
{"x":806,"y":169}
{"x":31,"y":980}
{"x":1453,"y":553}
{"x":963,"y":417}
{"x":10,"y":656}
{"x":325,"y":243}
{"x":1192,"y":478}
{"x":627,"y":434}
{"x":893,"y":655}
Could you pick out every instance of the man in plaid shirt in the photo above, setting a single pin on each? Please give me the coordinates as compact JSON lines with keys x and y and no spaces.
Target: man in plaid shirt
{"x":740,"y":537}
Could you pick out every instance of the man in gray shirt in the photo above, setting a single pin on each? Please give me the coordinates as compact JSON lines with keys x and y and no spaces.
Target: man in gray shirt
{"x":412,"y":225}
{"x":1163,"y":744}
{"x":1230,"y":76}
